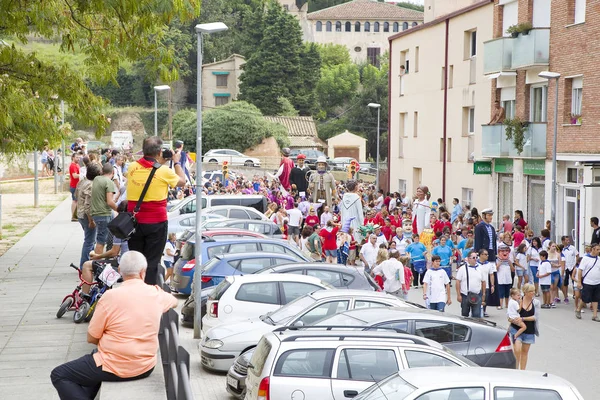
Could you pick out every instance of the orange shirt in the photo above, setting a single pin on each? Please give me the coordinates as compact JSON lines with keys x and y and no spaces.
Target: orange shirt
{"x":126,"y":322}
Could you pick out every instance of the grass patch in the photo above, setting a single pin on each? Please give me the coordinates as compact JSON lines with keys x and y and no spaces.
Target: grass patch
{"x":25,"y":232}
{"x":9,"y":227}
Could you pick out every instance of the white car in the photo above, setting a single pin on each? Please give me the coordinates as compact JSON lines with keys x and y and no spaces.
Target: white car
{"x":236,"y":212}
{"x":435,"y":383}
{"x":338,"y":364}
{"x":234,"y":157}
{"x":246,"y":296}
{"x":237,"y":337}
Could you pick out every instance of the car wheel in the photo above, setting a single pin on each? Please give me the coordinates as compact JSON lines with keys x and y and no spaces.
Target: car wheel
{"x":212,"y":160}
{"x":249,"y":164}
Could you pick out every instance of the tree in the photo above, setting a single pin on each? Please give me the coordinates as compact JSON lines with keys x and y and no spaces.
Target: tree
{"x":316,"y":5}
{"x":287,"y":109}
{"x":337,"y":86}
{"x":333,"y":54}
{"x":239,"y":124}
{"x":411,"y":6}
{"x":273,"y":68}
{"x":108,"y":33}
{"x":310,"y":66}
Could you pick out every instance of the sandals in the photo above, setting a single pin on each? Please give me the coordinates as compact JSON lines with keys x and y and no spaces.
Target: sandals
{"x":596,"y":319}
{"x":499,"y":308}
{"x":578,"y":314}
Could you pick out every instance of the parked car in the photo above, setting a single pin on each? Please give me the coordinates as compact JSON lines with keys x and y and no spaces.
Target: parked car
{"x":340,"y":163}
{"x":236,"y":375}
{"x":236,"y":212}
{"x":267,"y":228}
{"x":338,"y":364}
{"x":217,"y":175}
{"x":479,"y":340}
{"x":183,"y":270}
{"x":188,"y":205}
{"x":93,"y":145}
{"x":337,"y":275}
{"x":234,"y":157}
{"x":311,"y":156}
{"x":246,"y":296}
{"x":237,"y":337}
{"x":470,"y":384}
{"x":222,"y":266}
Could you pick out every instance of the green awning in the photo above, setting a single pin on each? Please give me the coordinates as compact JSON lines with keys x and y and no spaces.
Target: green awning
{"x":222,"y":95}
{"x":220,"y":72}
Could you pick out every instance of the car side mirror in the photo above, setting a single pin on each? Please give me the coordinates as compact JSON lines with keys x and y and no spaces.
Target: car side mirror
{"x":299,"y":323}
{"x":181,"y":210}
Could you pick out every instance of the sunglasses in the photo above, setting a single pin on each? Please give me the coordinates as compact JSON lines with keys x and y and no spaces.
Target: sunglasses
{"x":473,"y":258}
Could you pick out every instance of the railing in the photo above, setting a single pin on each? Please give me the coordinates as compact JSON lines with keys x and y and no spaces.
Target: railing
{"x":495,"y":144}
{"x":532,"y":49}
{"x":175,"y":359}
{"x":497,"y":55}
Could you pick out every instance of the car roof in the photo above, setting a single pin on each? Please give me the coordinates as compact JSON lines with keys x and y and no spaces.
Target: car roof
{"x":248,"y":240}
{"x":274,"y":278}
{"x":254,"y":221}
{"x":324,"y":266}
{"x":228,"y":207}
{"x":261,"y":254}
{"x":351,"y":292}
{"x":421,"y":377}
{"x":386,"y":313}
{"x":214,"y":233}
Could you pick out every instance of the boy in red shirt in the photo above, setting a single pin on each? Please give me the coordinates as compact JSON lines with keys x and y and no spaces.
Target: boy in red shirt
{"x":388,"y":230}
{"x":329,"y":237}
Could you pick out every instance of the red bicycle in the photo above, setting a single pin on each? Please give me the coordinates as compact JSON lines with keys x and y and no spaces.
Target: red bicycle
{"x":75,"y":302}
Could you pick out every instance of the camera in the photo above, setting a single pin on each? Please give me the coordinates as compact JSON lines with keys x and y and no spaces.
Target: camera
{"x":167,"y":154}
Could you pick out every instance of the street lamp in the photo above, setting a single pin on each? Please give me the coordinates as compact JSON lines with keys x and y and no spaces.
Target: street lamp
{"x":378,"y":107}
{"x":158,"y":89}
{"x":553,"y":75}
{"x":201,"y":29}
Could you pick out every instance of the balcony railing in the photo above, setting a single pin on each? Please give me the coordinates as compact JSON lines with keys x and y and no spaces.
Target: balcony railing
{"x":532,"y":49}
{"x":498,"y":55}
{"x":495,"y":144}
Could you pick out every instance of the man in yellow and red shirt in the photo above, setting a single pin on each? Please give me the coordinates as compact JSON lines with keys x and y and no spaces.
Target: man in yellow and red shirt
{"x":151,"y":232}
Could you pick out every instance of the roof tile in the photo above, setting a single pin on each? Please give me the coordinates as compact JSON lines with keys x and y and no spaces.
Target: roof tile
{"x":366,"y":9}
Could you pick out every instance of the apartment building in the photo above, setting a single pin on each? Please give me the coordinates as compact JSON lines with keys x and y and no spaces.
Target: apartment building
{"x":438,"y":99}
{"x":221,"y":81}
{"x":560,"y":36}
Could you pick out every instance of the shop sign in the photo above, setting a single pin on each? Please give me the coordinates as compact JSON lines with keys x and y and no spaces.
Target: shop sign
{"x":503,"y":165}
{"x":482,"y":167}
{"x":534,"y":167}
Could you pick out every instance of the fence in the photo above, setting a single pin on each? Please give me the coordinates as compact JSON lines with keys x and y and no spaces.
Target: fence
{"x":175,"y":359}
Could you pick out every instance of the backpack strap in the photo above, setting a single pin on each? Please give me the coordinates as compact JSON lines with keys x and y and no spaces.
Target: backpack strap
{"x":155,"y":166}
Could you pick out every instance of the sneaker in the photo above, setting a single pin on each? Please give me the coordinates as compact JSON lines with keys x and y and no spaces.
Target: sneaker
{"x":537,"y":295}
{"x":545,"y":305}
{"x":577,"y":314}
{"x":552,"y":305}
{"x":486,"y":315}
{"x":566,"y":300}
{"x":556,"y":300}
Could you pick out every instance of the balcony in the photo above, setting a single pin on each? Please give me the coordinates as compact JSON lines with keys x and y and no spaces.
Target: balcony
{"x":531,"y":50}
{"x":495,"y":144}
{"x":498,"y":55}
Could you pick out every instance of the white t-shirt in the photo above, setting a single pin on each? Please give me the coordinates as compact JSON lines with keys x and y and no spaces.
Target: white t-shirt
{"x":522,"y":259}
{"x":393,"y":202}
{"x":569,"y":256}
{"x":512,"y":311}
{"x":381,"y":240}
{"x":166,"y":257}
{"x":593,"y":276}
{"x":503,"y":269}
{"x":486,"y":269}
{"x":546,"y":244}
{"x":534,"y":257}
{"x":295,"y":216}
{"x":393,"y":271}
{"x":545,"y":268}
{"x":475,"y":279}
{"x":369,"y":252}
{"x":436,"y":280}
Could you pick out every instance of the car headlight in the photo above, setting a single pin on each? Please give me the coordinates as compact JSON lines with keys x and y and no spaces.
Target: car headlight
{"x":213,"y":344}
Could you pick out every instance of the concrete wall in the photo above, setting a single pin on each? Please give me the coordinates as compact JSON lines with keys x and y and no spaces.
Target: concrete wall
{"x":437,"y":8}
{"x":422,"y":93}
{"x":347,"y":139}
{"x":209,"y":80}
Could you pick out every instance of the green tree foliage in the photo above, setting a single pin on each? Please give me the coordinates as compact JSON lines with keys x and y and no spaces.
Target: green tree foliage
{"x":274,"y":68}
{"x":412,"y":6}
{"x":316,"y":5}
{"x":287,"y":109}
{"x":239,"y":124}
{"x":310,"y":66}
{"x":338,"y":86}
{"x":108,"y":33}
{"x":333,"y":54}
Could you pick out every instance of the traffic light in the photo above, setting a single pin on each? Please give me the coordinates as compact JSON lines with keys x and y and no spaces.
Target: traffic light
{"x":352,"y":169}
{"x":225,"y":169}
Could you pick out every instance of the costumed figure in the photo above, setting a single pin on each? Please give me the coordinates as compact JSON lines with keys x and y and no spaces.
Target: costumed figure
{"x":298,"y":176}
{"x":351,"y":209}
{"x":283,"y":174}
{"x":322,"y":184}
{"x":421,"y":210}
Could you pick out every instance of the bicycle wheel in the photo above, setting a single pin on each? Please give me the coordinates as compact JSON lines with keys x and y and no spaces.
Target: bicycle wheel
{"x":64,"y":307}
{"x":90,"y":313}
{"x":80,"y":314}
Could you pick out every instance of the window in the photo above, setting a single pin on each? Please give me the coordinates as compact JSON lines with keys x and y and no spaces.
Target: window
{"x":293,"y":290}
{"x":510,"y":16}
{"x":468,"y":121}
{"x":376,"y":27}
{"x":367,"y":26}
{"x":322,"y":311}
{"x":253,"y":227}
{"x":214,"y":250}
{"x":328,"y":26}
{"x":449,"y":150}
{"x":254,"y":215}
{"x":415,"y":124}
{"x":238,"y":214}
{"x":347,"y":279}
{"x":221,"y":100}
{"x":473,"y":43}
{"x":462,"y":394}
{"x":404,"y":26}
{"x":272,"y":248}
{"x":576,"y":95}
{"x":313,"y":363}
{"x":319,"y":26}
{"x":471,"y":120}
{"x":280,"y":261}
{"x":441,"y":149}
{"x":507,"y":393}
{"x":402,"y":325}
{"x":470,"y":44}
{"x":509,"y":108}
{"x":373,"y":56}
{"x":579,"y":11}
{"x":415,"y":24}
{"x":243,"y":248}
{"x":443,"y":83}
{"x":260,"y":354}
{"x":396,"y":27}
{"x":442,"y":332}
{"x":368,"y":304}
{"x":402,"y":185}
{"x":420,"y":359}
{"x":451,"y":77}
{"x":251,"y":265}
{"x":539,"y":99}
{"x":222,"y":213}
{"x":386,"y":26}
{"x":222,"y":80}
{"x":417,"y":59}
{"x":348,"y":27}
{"x":331,"y":277}
{"x":572,"y":177}
{"x":263,"y":292}
{"x":467,"y":196}
{"x":338,"y":26}
{"x":357,"y":26}
{"x":402,"y":125}
{"x":369,"y":365}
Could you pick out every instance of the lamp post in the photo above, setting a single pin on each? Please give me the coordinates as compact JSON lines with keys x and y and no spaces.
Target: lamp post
{"x":201,"y":29}
{"x":553,"y":75}
{"x":378,"y":107}
{"x":158,"y":89}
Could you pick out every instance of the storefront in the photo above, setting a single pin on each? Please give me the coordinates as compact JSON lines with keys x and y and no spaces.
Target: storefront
{"x":535,"y":170}
{"x":504,"y":168}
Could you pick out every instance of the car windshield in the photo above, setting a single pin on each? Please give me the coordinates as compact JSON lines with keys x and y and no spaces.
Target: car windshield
{"x":210,"y":264}
{"x":391,"y":388}
{"x":286,"y":312}
{"x":341,"y":320}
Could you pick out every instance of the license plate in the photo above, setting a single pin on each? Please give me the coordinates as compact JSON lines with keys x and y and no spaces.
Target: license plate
{"x":232,"y":382}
